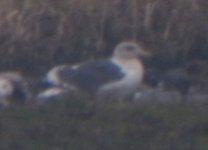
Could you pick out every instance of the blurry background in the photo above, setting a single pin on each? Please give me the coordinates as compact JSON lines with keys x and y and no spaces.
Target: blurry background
{"x":35,"y":35}
{"x":44,"y":33}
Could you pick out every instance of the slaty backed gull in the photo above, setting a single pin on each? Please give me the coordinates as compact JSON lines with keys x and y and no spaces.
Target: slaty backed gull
{"x":118,"y":76}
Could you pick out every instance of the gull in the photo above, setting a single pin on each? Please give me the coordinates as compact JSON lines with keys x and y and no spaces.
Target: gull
{"x":119,"y":76}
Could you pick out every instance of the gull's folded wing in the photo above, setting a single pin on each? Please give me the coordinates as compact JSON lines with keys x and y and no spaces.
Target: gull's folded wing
{"x":91,"y":76}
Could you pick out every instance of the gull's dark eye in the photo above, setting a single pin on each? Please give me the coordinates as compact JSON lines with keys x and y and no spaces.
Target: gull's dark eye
{"x":130,"y":48}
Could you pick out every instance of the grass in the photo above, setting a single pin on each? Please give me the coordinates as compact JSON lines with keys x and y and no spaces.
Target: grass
{"x":70,"y":31}
{"x":35,"y":35}
{"x":64,"y":124}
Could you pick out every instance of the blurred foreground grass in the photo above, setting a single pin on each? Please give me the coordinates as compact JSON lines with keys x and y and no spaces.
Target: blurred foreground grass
{"x":64,"y":125}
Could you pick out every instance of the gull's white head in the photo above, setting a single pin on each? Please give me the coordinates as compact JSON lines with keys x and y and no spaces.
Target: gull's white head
{"x":128,"y":50}
{"x":6,"y":88}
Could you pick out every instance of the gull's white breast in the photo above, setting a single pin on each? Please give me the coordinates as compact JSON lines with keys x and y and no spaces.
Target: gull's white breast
{"x":133,"y":75}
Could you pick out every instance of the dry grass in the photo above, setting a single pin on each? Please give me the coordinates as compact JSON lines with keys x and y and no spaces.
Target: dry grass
{"x":38,"y":34}
{"x":67,"y":31}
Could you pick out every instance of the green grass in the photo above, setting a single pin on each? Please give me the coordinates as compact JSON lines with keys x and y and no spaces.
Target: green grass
{"x":65,"y":125}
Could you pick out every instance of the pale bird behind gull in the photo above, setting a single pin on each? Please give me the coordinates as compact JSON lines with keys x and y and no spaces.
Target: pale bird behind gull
{"x":13,"y":89}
